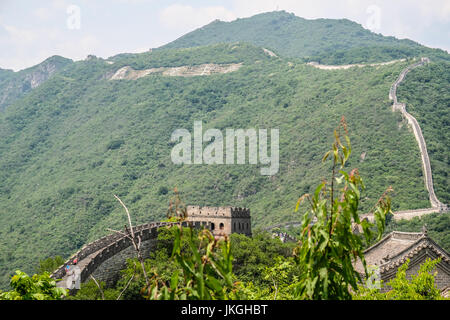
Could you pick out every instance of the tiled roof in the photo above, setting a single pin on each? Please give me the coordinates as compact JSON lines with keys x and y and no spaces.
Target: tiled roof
{"x":393,"y":250}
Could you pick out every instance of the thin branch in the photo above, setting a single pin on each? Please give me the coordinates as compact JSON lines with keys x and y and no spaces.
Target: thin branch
{"x":276,"y":289}
{"x":133,"y":240}
{"x":332,"y":195}
{"x":116,"y":231}
{"x":99,"y":288}
{"x":128,"y":214}
{"x":121,"y":233}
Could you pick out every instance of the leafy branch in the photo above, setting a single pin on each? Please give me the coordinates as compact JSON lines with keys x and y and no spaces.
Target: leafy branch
{"x":328,"y":247}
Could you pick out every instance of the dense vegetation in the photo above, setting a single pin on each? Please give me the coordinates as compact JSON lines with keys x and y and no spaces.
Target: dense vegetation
{"x":420,"y":286}
{"x":68,"y":145}
{"x":200,"y":266}
{"x":329,"y":41}
{"x":252,"y":258}
{"x":274,"y":277}
{"x":427,"y":96}
{"x":37,"y":287}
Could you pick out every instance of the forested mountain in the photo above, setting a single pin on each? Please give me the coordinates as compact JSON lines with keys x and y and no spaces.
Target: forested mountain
{"x":91,"y":131}
{"x":328,"y":41}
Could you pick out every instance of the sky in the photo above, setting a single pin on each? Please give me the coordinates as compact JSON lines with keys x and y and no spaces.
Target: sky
{"x":31,"y":31}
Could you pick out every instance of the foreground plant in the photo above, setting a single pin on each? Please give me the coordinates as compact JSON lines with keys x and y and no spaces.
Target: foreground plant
{"x":37,"y":287}
{"x":328,"y":246}
{"x":420,"y":286}
{"x":204,"y":270}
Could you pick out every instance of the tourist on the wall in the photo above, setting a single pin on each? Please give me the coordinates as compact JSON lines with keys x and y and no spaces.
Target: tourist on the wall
{"x":74,"y":273}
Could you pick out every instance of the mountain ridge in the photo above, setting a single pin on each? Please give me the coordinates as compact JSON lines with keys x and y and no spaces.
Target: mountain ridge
{"x":310,"y":39}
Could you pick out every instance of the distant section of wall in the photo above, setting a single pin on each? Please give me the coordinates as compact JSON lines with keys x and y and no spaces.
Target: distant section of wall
{"x":128,"y":73}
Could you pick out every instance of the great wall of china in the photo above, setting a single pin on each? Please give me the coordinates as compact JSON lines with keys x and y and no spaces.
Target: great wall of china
{"x":111,"y":251}
{"x":436,"y":205}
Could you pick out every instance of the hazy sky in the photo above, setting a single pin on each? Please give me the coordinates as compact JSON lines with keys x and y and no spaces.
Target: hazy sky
{"x":31,"y":31}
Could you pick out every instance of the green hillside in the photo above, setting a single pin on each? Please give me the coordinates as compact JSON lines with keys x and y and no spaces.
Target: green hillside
{"x":328,"y":41}
{"x":77,"y":139}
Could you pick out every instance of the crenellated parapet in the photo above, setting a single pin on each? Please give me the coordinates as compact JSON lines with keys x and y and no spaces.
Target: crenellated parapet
{"x":240,"y":212}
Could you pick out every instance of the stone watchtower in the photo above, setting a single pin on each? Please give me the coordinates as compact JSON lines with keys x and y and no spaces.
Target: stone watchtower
{"x":224,"y":220}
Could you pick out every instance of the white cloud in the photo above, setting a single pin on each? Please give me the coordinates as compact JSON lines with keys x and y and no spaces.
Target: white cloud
{"x":29,"y":47}
{"x":43,"y":13}
{"x":133,"y":1}
{"x":186,"y":18}
{"x":21,"y":36}
{"x":76,"y":49}
{"x":60,"y":4}
{"x":438,"y":9}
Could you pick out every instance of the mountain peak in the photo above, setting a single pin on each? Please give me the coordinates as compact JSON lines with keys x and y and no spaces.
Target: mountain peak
{"x":293,"y":36}
{"x":14,"y":85}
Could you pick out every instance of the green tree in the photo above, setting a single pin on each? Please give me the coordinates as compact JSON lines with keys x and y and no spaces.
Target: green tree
{"x":419,"y":287}
{"x":50,"y":264}
{"x":253,"y":254}
{"x":37,"y":287}
{"x":90,"y":291}
{"x":283,"y":276}
{"x":328,"y":246}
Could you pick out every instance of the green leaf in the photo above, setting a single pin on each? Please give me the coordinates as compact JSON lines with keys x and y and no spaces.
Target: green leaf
{"x":174,"y":280}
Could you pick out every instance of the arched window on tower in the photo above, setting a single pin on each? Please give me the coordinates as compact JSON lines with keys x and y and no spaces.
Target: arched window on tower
{"x":221,"y":226}
{"x":213,"y":226}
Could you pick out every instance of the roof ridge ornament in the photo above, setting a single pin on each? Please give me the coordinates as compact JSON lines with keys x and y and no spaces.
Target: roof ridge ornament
{"x":424,"y":230}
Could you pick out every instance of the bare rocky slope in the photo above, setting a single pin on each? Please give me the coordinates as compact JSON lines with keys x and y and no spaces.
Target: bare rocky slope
{"x":14,"y":85}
